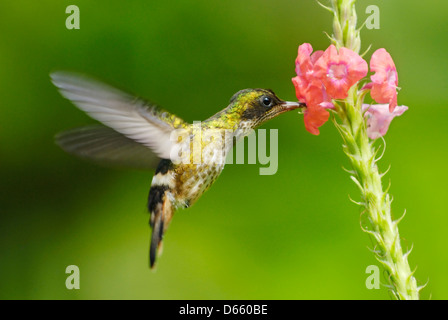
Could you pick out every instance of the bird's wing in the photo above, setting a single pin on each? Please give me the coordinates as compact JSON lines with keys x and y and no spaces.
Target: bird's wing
{"x":131,"y":116}
{"x":106,"y":146}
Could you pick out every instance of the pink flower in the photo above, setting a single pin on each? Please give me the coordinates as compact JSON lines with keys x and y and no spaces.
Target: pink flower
{"x":310,"y":90}
{"x":379,"y":118}
{"x":314,"y":117}
{"x":304,"y":69}
{"x":339,"y":71}
{"x":385,"y":80}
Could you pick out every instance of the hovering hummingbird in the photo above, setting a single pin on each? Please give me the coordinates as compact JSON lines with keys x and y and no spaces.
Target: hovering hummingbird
{"x":138,"y":134}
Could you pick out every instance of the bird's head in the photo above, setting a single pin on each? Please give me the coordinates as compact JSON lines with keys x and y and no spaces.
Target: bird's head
{"x":253,"y":107}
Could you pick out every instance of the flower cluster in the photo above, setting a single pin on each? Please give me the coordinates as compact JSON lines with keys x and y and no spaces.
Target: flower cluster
{"x":323,"y":76}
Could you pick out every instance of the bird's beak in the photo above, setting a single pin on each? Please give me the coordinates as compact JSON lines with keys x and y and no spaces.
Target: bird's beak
{"x":290,"y":105}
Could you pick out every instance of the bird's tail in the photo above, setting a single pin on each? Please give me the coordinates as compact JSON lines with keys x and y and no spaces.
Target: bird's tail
{"x":160,"y":207}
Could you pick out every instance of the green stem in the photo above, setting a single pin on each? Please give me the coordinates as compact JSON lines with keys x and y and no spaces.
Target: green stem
{"x":361,"y":153}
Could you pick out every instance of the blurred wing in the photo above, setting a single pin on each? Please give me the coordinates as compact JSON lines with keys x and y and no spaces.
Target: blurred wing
{"x":126,"y":114}
{"x":105,"y":146}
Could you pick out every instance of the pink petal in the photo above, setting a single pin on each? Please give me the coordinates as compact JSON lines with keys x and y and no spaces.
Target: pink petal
{"x":316,"y":55}
{"x":385,"y":77}
{"x":384,"y":93}
{"x":393,"y":103}
{"x":304,"y":70}
{"x":381,"y":63}
{"x":357,"y":66}
{"x":303,"y":60}
{"x":300,"y":84}
{"x":315,"y":117}
{"x":316,"y":94}
{"x":385,"y":80}
{"x":339,"y":71}
{"x":379,"y":118}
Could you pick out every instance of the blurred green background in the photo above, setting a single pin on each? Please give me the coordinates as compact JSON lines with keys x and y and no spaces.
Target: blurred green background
{"x":292,"y":235}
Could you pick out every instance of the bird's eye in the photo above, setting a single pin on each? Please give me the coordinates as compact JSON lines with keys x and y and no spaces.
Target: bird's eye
{"x":266,"y":101}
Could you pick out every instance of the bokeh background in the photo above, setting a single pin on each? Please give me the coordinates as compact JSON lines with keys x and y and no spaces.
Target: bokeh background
{"x":292,"y":235}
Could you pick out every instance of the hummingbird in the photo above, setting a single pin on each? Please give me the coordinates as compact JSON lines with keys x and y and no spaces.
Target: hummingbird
{"x":138,"y":134}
